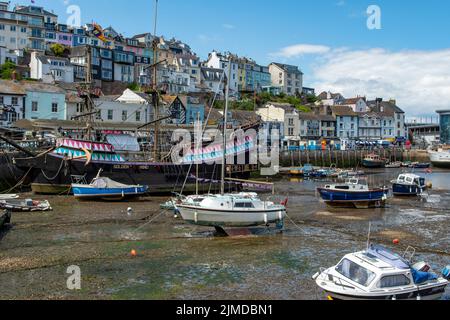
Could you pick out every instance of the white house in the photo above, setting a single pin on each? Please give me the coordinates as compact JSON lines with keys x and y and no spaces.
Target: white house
{"x":12,"y":100}
{"x":357,"y":104}
{"x":331,"y":99}
{"x":225,"y":62}
{"x":51,"y":69}
{"x":129,"y":107}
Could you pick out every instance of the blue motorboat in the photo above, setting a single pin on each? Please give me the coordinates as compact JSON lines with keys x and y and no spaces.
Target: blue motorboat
{"x":354,"y":193}
{"x":408,"y":185}
{"x":106,"y":189}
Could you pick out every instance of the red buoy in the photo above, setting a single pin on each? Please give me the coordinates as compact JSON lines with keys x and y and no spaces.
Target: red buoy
{"x":396,"y":241}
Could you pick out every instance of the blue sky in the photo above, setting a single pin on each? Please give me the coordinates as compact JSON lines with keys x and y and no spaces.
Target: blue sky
{"x":261,"y":29}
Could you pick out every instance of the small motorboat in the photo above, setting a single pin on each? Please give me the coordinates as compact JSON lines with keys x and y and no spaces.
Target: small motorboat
{"x":5,"y":217}
{"x":105,"y":189}
{"x":418,"y":165}
{"x":374,"y":161}
{"x":380,"y":274}
{"x":230,"y":210}
{"x":394,"y":165}
{"x":27,"y":205}
{"x":409,"y":185}
{"x":354,"y":193}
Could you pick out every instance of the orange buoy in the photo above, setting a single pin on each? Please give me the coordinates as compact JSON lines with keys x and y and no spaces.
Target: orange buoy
{"x":133,"y":253}
{"x":396,"y":241}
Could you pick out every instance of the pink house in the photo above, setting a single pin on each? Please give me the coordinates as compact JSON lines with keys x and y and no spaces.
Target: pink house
{"x":64,"y":38}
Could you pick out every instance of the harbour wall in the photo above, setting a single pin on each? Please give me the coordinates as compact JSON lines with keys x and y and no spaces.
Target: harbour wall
{"x":349,"y":158}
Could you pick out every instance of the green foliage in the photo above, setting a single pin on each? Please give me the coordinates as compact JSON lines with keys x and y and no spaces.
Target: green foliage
{"x":250,"y":102}
{"x":134,"y":87}
{"x":58,"y":49}
{"x":7,"y":69}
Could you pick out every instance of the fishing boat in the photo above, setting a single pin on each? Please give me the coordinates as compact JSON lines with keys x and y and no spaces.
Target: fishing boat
{"x":354,"y":193}
{"x":27,"y":205}
{"x":230,"y":210}
{"x":440,"y":158}
{"x":374,"y":161}
{"x":105,"y":189}
{"x":380,"y":274}
{"x":5,"y":217}
{"x":409,"y":185}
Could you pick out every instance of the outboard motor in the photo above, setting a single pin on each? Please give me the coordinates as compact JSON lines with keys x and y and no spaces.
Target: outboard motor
{"x":446,"y":273}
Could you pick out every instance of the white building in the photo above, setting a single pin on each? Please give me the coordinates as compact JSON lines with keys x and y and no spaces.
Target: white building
{"x":225,"y":62}
{"x":212,"y":80}
{"x":331,"y":99}
{"x":12,"y":100}
{"x":129,"y":107}
{"x":51,"y":69}
{"x":288,"y":77}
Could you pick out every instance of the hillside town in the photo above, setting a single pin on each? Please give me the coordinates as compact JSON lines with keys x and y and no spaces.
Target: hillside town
{"x":44,"y":61}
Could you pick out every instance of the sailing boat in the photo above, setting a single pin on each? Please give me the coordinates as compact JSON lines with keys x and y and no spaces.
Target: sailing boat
{"x":230,"y":210}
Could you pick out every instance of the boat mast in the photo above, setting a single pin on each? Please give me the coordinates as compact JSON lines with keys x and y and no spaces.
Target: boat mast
{"x":155,"y":94}
{"x":225,"y":121}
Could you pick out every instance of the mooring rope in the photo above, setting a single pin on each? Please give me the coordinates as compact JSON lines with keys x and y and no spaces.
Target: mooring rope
{"x":20,"y":183}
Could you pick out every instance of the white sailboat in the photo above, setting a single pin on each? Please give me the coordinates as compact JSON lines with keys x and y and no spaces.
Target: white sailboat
{"x":230,"y":210}
{"x":440,"y":158}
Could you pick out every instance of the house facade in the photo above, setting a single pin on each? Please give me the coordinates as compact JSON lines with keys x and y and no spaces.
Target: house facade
{"x":12,"y":102}
{"x":44,"y":101}
{"x":51,"y":69}
{"x":230,"y":65}
{"x":347,"y":126}
{"x":288,"y":77}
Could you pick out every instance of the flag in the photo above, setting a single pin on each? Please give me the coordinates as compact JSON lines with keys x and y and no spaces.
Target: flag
{"x":98,"y":33}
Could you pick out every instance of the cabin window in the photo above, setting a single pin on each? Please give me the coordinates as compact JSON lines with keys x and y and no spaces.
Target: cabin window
{"x":355,"y":272}
{"x":343,"y":187}
{"x":399,"y":280}
{"x":247,"y":205}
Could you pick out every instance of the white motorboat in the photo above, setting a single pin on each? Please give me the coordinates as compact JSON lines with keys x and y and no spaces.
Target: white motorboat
{"x":440,"y":158}
{"x":408,"y":184}
{"x":380,"y":274}
{"x":231,"y":210}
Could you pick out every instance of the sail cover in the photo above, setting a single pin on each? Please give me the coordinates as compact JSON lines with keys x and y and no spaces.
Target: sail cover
{"x":124,"y":142}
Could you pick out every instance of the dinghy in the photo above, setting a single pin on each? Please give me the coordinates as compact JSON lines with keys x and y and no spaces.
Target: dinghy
{"x":27,"y":205}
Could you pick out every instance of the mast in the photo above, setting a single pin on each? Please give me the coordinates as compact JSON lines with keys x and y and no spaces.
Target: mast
{"x":155,"y":94}
{"x":225,"y":121}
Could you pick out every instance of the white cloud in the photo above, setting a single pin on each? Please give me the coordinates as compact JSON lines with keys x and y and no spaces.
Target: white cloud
{"x":228,"y":26}
{"x":418,"y":80}
{"x":299,"y":50}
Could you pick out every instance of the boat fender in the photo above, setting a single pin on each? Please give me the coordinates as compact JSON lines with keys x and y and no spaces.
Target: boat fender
{"x":280,"y":216}
{"x":266,"y":219}
{"x":196,"y":217}
{"x":446,"y":273}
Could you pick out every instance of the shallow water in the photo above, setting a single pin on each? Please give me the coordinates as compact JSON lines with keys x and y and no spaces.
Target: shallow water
{"x":180,"y":261}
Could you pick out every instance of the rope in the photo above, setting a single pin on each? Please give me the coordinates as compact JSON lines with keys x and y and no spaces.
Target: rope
{"x":63,"y":161}
{"x":147,"y":223}
{"x":21,"y":181}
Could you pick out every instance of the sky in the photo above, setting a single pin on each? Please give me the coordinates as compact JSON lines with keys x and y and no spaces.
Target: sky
{"x":408,"y":59}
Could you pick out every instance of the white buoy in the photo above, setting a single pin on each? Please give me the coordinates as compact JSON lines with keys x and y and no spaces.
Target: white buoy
{"x":280,"y":216}
{"x":130,"y":211}
{"x":196,"y":217}
{"x":419,"y":297}
{"x":266,"y":219}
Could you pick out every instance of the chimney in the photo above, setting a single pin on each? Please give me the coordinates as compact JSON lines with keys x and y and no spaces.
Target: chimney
{"x":14,"y":76}
{"x":328,"y":95}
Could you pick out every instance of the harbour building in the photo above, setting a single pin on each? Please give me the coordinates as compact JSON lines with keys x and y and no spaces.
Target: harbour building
{"x":444,"y":126}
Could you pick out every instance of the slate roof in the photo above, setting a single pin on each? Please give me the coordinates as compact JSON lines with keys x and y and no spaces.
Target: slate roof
{"x":343,"y":111}
{"x":10,"y":87}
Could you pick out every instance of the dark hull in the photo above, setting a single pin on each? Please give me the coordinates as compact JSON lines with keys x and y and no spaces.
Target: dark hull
{"x":5,"y":217}
{"x":405,"y":190}
{"x":348,"y":199}
{"x":51,"y":174}
{"x":373,"y":164}
{"x":9,"y":174}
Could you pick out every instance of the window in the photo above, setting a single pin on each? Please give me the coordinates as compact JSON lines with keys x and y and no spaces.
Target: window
{"x":110,"y":114}
{"x":290,"y":131}
{"x":13,"y":40}
{"x":54,"y":107}
{"x":15,"y":101}
{"x":138,"y":116}
{"x":23,"y":30}
{"x":2,"y":27}
{"x":13,"y":28}
{"x":399,"y":280}
{"x":34,"y":106}
{"x":124,"y":115}
{"x":291,"y":122}
{"x":355,"y":272}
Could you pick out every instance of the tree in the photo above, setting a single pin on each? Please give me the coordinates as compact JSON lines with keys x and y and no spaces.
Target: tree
{"x":58,"y":49}
{"x":7,"y":69}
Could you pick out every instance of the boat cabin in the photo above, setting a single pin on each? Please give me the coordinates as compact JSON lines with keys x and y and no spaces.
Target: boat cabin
{"x":353,"y":184}
{"x":410,"y":180}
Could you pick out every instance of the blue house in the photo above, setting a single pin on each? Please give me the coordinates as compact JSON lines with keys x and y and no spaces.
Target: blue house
{"x":347,"y":122}
{"x":44,"y":101}
{"x":194,"y":110}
